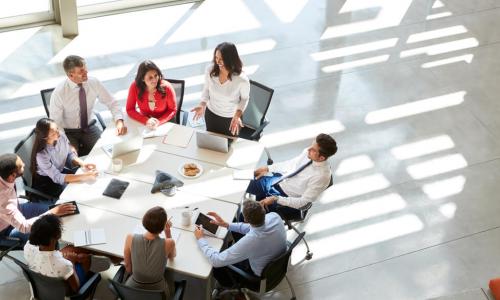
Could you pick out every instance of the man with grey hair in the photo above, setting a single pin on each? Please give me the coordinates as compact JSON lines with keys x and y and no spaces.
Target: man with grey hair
{"x":72,"y":104}
{"x":264,"y":239}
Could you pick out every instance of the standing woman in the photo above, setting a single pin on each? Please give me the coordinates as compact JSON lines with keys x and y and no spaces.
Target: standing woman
{"x":226,"y":92}
{"x":52,"y":160}
{"x":154,"y":97}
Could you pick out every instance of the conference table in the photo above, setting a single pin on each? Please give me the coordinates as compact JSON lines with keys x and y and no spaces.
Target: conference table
{"x":214,"y":190}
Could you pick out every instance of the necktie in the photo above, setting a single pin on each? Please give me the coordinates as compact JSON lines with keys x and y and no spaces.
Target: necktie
{"x":82,"y":96}
{"x":300,"y":169}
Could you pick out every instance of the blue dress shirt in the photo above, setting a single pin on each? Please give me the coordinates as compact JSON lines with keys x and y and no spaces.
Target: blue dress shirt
{"x":259,"y":245}
{"x":51,"y":160}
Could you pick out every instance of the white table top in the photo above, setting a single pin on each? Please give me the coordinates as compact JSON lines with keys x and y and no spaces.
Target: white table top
{"x":189,"y":259}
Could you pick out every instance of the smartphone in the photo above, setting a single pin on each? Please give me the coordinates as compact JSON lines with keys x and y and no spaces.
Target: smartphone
{"x":204,"y":220}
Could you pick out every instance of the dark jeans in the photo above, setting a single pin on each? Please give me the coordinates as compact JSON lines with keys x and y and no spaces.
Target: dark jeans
{"x":217,"y":124}
{"x":28,"y":210}
{"x":229,"y":279}
{"x":263,"y":187}
{"x":84,"y":140}
{"x":45,"y":184}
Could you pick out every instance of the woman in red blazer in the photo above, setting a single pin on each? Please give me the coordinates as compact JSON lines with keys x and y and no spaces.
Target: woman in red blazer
{"x":151,"y":99}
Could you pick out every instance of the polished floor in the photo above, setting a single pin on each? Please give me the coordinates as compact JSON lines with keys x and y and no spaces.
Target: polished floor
{"x":408,"y":88}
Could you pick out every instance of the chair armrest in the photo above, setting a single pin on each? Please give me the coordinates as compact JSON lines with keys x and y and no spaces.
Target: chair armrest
{"x":100,"y":119}
{"x":38,"y":193}
{"x":183,"y":117}
{"x":119,"y":274}
{"x":255,"y":135}
{"x":247,"y":276}
{"x":180,"y":286}
{"x":88,"y":287}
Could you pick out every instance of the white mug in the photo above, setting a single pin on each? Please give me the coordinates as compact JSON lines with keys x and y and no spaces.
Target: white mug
{"x":117,"y":165}
{"x":186,"y":217}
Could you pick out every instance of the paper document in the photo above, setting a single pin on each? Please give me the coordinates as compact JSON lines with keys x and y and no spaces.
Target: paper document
{"x":89,"y":237}
{"x":179,"y":136}
{"x":192,"y":122}
{"x":247,"y":174}
{"x":139,"y":229}
{"x":162,"y":130}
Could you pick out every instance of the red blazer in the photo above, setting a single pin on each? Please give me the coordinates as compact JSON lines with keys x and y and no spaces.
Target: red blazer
{"x":165,"y":108}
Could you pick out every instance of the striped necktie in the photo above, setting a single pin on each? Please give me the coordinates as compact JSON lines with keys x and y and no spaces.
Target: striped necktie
{"x":300,"y":169}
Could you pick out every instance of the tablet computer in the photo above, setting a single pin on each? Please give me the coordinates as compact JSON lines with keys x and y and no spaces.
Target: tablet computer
{"x":77,"y":211}
{"x":204,"y":220}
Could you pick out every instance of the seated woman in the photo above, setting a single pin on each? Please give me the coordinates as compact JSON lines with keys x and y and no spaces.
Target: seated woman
{"x":145,"y":255}
{"x":43,"y":257}
{"x":53,"y":160}
{"x":154,"y":96}
{"x":226,"y":92}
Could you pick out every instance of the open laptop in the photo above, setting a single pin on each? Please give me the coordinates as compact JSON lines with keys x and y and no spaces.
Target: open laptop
{"x":213,"y":142}
{"x":127,"y":145}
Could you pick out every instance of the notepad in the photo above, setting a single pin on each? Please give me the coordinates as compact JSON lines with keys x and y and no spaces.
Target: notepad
{"x":139,"y":229}
{"x":179,"y":136}
{"x":247,"y":174}
{"x":161,"y":130}
{"x":89,"y":237}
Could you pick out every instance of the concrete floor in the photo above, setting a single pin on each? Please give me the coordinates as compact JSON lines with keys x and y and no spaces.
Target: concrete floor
{"x":409,"y":89}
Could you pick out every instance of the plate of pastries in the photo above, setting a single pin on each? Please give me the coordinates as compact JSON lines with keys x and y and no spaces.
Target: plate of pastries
{"x":190,"y":170}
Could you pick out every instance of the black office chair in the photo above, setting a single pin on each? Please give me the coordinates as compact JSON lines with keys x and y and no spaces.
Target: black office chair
{"x":50,"y":288}
{"x":254,"y":117}
{"x":23,"y":150}
{"x":8,"y":244}
{"x":180,"y":116}
{"x":126,"y":292}
{"x":291,"y":221}
{"x":271,"y":276}
{"x":47,"y":93}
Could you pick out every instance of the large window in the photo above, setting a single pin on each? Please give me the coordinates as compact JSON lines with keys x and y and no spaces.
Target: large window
{"x":86,"y":7}
{"x":13,"y":13}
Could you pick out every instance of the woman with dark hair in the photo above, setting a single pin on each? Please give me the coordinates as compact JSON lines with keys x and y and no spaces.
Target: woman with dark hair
{"x":53,"y":160}
{"x":154,"y":96}
{"x":146,"y":254}
{"x":74,"y":265}
{"x":226,"y":92}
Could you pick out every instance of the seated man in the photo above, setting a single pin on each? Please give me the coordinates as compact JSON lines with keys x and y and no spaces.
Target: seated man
{"x":264,"y":239}
{"x":72,"y":103}
{"x":296,"y":182}
{"x":16,"y":218}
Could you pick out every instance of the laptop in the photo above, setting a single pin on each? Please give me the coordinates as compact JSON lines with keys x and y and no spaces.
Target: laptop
{"x":127,"y":145}
{"x":213,"y":142}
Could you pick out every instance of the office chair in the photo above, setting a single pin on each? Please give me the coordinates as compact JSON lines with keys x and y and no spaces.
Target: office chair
{"x":180,"y":116}
{"x":50,"y":288}
{"x":292,"y":220}
{"x":23,"y":150}
{"x":126,"y":292}
{"x":271,"y":276}
{"x":8,"y":244}
{"x":47,"y":93}
{"x":254,"y":117}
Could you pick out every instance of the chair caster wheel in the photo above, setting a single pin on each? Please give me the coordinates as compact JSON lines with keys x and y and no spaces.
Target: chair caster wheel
{"x":309,"y":255}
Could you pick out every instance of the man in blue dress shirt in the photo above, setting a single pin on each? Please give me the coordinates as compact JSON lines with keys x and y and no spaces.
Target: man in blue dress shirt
{"x":264,"y":238}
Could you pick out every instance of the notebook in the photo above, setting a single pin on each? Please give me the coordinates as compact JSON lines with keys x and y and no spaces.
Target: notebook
{"x":77,"y":211}
{"x":115,"y":188}
{"x":89,"y":237}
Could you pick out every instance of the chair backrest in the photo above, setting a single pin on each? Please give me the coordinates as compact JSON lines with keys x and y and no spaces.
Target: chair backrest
{"x":126,"y":292}
{"x":23,"y":150}
{"x":260,"y":98}
{"x":276,"y":269}
{"x":46,"y":94}
{"x":44,"y":287}
{"x":179,"y":96}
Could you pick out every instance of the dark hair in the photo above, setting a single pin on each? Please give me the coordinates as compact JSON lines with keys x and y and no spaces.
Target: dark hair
{"x":71,"y":62}
{"x":231,"y":59}
{"x":154,"y":220}
{"x":7,"y":165}
{"x":327,"y":145}
{"x":41,"y":133}
{"x":45,"y":229}
{"x":254,"y":213}
{"x":145,"y":67}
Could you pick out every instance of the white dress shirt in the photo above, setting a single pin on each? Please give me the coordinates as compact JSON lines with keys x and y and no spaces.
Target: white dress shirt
{"x":306,"y":186}
{"x":48,"y":263}
{"x":224,"y":99}
{"x":65,"y":102}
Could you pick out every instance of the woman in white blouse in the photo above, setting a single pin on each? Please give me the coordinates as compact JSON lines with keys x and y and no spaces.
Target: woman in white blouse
{"x":226,"y":92}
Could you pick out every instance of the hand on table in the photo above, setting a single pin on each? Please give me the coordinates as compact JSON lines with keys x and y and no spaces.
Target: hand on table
{"x":152,"y":123}
{"x":198,"y":231}
{"x":121,"y":129}
{"x":63,"y":209}
{"x":89,"y":167}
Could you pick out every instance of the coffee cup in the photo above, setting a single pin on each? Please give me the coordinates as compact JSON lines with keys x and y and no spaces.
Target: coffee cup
{"x":186,"y":216}
{"x":117,"y":165}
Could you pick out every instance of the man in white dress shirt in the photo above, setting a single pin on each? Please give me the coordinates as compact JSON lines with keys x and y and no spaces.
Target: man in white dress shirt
{"x":296,"y":182}
{"x":72,"y":104}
